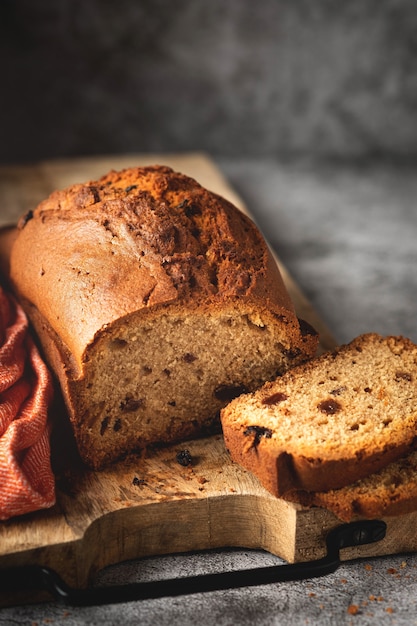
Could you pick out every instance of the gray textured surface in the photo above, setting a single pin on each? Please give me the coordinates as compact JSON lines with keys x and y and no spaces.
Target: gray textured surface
{"x":348,"y":235}
{"x":234,"y":78}
{"x":383,"y":590}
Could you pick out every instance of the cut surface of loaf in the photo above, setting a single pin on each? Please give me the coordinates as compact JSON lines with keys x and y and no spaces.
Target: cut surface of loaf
{"x":329,"y":422}
{"x":390,"y":492}
{"x":156,"y":302}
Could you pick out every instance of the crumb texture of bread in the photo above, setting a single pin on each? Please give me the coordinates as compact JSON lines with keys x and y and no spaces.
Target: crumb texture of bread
{"x":331,"y":421}
{"x":156,"y":301}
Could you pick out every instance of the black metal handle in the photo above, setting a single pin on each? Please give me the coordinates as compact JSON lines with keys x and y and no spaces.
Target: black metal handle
{"x":36,"y":577}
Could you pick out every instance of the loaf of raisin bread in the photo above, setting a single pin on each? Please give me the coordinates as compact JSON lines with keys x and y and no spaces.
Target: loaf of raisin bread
{"x":331,"y":421}
{"x":155,"y":302}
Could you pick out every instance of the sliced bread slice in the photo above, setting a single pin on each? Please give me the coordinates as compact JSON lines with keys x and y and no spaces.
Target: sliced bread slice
{"x":391,"y":491}
{"x":331,"y":421}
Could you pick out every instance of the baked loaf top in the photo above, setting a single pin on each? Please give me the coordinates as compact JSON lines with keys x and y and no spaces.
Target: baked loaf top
{"x":331,"y":421}
{"x":139,"y":239}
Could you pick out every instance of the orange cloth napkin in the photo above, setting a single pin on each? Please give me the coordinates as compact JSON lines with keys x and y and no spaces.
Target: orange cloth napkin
{"x":26,"y":479}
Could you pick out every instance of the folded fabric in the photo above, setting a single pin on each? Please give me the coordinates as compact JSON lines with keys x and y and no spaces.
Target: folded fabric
{"x":26,"y":479}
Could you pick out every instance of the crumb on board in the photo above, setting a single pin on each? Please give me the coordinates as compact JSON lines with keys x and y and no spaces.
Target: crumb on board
{"x":184,"y":458}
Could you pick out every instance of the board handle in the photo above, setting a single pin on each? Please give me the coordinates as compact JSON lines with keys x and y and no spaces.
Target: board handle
{"x":37,"y":577}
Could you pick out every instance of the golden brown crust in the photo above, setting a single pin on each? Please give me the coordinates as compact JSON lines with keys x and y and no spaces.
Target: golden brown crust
{"x":139,"y":238}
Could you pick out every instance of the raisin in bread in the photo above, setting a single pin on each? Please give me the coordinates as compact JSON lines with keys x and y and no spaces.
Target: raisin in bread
{"x":390,"y":492}
{"x":329,"y":422}
{"x":156,"y":302}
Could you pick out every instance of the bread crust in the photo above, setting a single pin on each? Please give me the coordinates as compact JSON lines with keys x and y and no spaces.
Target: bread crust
{"x":137,"y":239}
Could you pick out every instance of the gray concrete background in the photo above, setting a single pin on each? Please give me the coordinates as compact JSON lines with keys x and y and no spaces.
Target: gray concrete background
{"x":347,"y":233}
{"x":235,"y":77}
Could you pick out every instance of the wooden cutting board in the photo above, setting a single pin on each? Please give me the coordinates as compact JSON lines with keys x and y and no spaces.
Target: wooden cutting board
{"x":152,"y":505}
